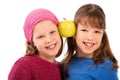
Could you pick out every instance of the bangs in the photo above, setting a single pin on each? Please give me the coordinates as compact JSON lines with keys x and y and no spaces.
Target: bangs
{"x":93,"y":20}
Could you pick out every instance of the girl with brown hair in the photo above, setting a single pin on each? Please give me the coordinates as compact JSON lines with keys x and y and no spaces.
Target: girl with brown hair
{"x":89,"y":56}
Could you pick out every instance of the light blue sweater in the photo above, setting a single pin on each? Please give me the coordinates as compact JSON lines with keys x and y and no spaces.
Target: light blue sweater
{"x":81,"y":69}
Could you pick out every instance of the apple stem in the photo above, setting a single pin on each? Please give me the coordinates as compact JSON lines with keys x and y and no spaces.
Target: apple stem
{"x":64,"y":19}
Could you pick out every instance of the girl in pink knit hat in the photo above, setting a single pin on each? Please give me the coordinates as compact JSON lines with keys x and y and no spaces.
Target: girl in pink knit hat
{"x":44,"y":44}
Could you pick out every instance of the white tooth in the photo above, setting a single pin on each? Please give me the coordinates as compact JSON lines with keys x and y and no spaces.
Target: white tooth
{"x":52,"y":46}
{"x":89,"y":44}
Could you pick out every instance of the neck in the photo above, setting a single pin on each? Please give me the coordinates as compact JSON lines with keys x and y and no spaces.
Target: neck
{"x":49,"y":59}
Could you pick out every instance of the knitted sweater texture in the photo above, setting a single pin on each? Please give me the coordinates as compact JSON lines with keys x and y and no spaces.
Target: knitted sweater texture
{"x":34,"y":68}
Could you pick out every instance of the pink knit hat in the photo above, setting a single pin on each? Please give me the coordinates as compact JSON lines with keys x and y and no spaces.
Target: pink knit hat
{"x":33,"y":18}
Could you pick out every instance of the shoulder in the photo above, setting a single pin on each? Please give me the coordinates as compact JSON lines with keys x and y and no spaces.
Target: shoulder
{"x":108,"y":71}
{"x":22,"y":62}
{"x":107,"y":64}
{"x":23,"y":59}
{"x":20,"y":70}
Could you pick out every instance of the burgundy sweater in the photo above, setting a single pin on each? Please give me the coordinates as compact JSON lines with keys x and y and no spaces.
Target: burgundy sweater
{"x":34,"y":68}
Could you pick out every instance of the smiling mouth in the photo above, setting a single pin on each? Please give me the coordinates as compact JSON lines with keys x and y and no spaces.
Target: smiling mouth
{"x":51,"y":46}
{"x":89,"y":44}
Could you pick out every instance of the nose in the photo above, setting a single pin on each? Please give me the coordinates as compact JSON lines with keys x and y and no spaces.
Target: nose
{"x":48,"y":39}
{"x":90,"y":36}
{"x":89,"y":39}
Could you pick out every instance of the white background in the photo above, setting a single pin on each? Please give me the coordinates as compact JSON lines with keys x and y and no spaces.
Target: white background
{"x":14,"y":12}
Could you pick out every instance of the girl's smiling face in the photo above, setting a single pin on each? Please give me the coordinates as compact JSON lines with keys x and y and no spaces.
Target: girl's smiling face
{"x":47,"y":40}
{"x":88,"y":39}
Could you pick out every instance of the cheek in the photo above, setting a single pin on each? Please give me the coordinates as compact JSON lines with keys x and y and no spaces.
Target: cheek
{"x":78,"y":39}
{"x":59,"y":40}
{"x":38,"y":43}
{"x":57,"y":36}
{"x":99,"y":39}
{"x":79,"y":36}
{"x":39,"y":46}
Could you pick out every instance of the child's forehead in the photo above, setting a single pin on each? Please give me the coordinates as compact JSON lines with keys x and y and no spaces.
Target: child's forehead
{"x":89,"y":27}
{"x":92,"y":21}
{"x":89,"y":19}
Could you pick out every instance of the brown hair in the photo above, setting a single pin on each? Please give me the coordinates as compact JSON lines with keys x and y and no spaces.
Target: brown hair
{"x":90,"y":14}
{"x":32,"y":50}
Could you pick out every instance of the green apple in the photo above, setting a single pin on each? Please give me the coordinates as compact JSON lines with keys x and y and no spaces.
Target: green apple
{"x":67,"y":28}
